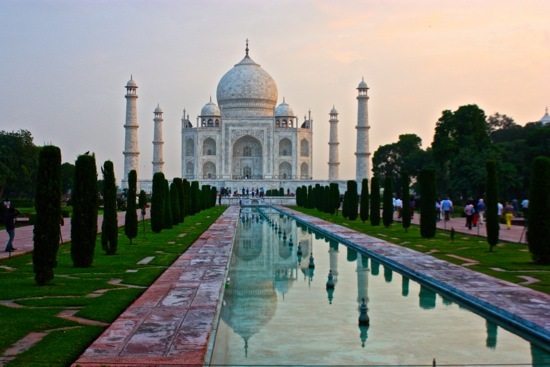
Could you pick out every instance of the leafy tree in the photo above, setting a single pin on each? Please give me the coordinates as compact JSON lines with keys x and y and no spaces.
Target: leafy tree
{"x":175,"y":203}
{"x":48,"y":214}
{"x":375,"y":201}
{"x":497,"y":122}
{"x":491,"y":202}
{"x":157,"y":203}
{"x":461,"y":145}
{"x":131,"y":219}
{"x":67,"y":177}
{"x":387,"y":206}
{"x":538,"y":230}
{"x":109,"y":227}
{"x":428,"y":214}
{"x":167,"y":207}
{"x":406,"y":198}
{"x":143,"y":206}
{"x":364,"y":208}
{"x":84,"y":219}
{"x":19,"y":163}
{"x":181,"y":200}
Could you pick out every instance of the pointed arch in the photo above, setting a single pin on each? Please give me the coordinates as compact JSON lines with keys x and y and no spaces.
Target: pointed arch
{"x":285,"y":147}
{"x":304,"y":148}
{"x":209,"y":147}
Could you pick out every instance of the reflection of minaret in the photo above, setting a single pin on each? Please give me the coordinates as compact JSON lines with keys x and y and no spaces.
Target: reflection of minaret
{"x":333,"y":161}
{"x":426,"y":298}
{"x":362,"y":153}
{"x":131,"y":148}
{"x":158,"y":162}
{"x":362,"y":280}
{"x":333,"y":259}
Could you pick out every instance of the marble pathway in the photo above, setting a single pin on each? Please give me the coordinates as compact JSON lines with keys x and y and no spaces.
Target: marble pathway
{"x":171,"y":322}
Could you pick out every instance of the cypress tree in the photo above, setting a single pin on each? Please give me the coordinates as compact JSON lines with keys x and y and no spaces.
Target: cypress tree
{"x":174,"y":203}
{"x":334,"y":198}
{"x":364,"y":208}
{"x":375,"y":201}
{"x":406,"y":197}
{"x":327,"y":204}
{"x":538,"y":230}
{"x":131,"y":218}
{"x":195,"y":202}
{"x":345,"y":205}
{"x":143,"y":206}
{"x":167,"y":224}
{"x":157,"y":203}
{"x":48,"y":214}
{"x":491,"y":205}
{"x":186,"y":197}
{"x":304,"y":196}
{"x":213,"y":196}
{"x":387,"y":205}
{"x":428,"y":214}
{"x":205,"y":195}
{"x":353,"y":208}
{"x":310,"y":197}
{"x":109,"y":226}
{"x":84,"y":219}
{"x":181,"y":200}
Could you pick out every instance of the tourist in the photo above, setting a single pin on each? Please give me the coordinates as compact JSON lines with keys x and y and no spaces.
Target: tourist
{"x":481,"y":210}
{"x":438,"y":209}
{"x":524,"y":207}
{"x":447,"y":208}
{"x":7,"y":203}
{"x":508,"y":215}
{"x":11,"y":214}
{"x":398,"y":206}
{"x":500,"y":207}
{"x":469,"y":211}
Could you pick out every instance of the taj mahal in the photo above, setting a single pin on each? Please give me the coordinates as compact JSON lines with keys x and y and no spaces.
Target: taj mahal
{"x":246,"y":140}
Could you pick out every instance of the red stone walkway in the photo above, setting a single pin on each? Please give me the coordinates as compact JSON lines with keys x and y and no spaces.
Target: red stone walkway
{"x":170,"y":324}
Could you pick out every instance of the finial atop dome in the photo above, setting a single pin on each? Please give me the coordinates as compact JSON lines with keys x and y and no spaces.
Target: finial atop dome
{"x":246,"y":49}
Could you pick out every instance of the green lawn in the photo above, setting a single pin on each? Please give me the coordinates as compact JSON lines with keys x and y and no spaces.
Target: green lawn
{"x":72,"y":286}
{"x":511,"y":260}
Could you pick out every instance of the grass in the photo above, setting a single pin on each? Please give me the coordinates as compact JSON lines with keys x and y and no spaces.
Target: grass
{"x":511,"y":260}
{"x":71,"y":287}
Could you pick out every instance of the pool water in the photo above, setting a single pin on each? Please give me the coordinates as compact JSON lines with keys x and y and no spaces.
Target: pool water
{"x":278,"y":311}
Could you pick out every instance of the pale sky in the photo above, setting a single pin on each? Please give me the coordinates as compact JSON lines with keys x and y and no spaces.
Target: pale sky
{"x":64,"y":65}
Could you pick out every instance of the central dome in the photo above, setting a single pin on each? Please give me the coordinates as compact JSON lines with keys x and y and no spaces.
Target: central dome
{"x":247,"y":89}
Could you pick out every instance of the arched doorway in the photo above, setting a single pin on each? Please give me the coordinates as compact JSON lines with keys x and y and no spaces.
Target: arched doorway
{"x":247,"y":161}
{"x":285,"y":171}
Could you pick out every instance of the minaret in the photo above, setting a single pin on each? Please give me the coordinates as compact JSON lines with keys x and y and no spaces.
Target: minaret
{"x":131,"y":149}
{"x":333,"y":161}
{"x":158,"y":162}
{"x":362,"y":154}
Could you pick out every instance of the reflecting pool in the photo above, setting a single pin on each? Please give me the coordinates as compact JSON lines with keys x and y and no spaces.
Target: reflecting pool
{"x":277,"y":309}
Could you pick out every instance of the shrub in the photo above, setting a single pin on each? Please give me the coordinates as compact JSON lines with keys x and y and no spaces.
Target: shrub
{"x":48,"y":214}
{"x":84,"y":219}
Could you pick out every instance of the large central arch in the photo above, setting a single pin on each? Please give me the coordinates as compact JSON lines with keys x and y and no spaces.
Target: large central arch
{"x":247,"y":161}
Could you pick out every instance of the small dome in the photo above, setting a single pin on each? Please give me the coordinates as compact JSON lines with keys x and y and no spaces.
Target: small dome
{"x":131,"y":83}
{"x":546,"y":118}
{"x":362,"y":85}
{"x":284,"y":110}
{"x":333,"y":111}
{"x":158,"y":109}
{"x":210,"y":109}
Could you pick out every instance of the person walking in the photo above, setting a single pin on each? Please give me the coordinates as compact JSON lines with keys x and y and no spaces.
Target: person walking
{"x":481,"y":210}
{"x":447,"y":207}
{"x":508,"y":214}
{"x":11,"y":214}
{"x":469,"y":211}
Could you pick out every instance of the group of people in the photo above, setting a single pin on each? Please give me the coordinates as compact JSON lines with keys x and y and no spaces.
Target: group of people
{"x":11,"y":214}
{"x":398,"y":206}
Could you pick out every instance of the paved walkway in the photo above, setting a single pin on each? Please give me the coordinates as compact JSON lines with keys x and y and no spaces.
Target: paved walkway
{"x":170,"y":324}
{"x":23,"y":240}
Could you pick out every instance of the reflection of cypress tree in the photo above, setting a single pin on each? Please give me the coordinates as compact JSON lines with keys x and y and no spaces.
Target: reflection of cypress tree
{"x":388,"y":274}
{"x":446,"y":301}
{"x":491,"y":341}
{"x":352,"y":255}
{"x":375,"y":267}
{"x":334,"y":245}
{"x":404,"y":286}
{"x":540,"y":358}
{"x":426,"y":298}
{"x":365,"y":261}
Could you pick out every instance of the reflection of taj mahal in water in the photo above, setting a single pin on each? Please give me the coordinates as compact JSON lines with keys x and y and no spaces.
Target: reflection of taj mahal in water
{"x":246,"y":136}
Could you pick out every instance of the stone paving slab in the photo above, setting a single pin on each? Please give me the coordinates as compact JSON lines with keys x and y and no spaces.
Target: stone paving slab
{"x":170,"y":324}
{"x":525,"y":308}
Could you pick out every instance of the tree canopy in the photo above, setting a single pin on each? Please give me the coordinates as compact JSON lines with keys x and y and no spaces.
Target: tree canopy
{"x":19,"y":163}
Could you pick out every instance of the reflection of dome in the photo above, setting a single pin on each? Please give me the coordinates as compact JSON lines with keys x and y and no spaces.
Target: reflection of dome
{"x":247,"y":86}
{"x":210,"y":109}
{"x":284,"y":110}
